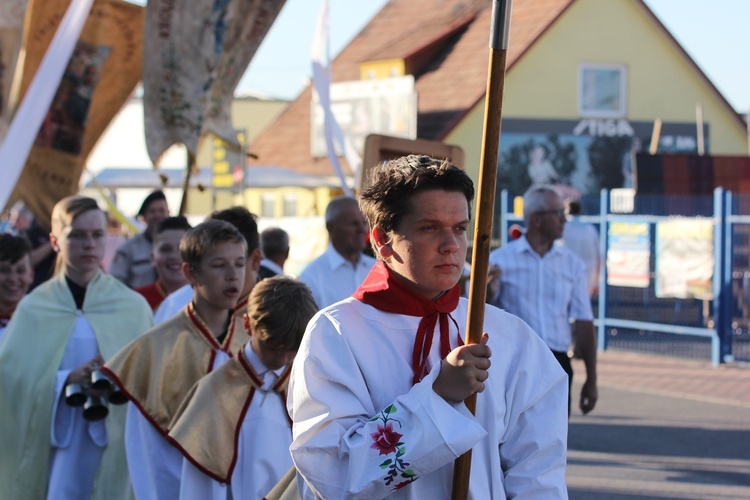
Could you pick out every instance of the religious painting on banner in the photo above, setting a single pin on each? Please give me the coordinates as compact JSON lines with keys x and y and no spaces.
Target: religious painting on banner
{"x":12,"y":14}
{"x":100,"y":76}
{"x":195,"y":54}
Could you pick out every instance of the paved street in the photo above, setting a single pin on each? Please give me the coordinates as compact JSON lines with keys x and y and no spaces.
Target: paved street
{"x":664,"y":428}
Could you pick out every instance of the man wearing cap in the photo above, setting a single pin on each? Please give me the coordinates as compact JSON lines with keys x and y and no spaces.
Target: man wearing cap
{"x":132,"y":262}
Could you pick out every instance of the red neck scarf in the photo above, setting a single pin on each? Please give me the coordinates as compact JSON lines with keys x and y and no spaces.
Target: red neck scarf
{"x":382,"y":290}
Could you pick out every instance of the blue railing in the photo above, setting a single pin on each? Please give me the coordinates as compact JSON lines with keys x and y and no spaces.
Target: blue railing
{"x":618,"y":308}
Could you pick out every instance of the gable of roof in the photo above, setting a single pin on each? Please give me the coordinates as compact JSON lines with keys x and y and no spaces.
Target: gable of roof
{"x":699,"y":72}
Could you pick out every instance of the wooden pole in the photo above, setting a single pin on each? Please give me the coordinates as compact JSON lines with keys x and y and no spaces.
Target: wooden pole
{"x":699,"y":124}
{"x":186,"y":182}
{"x":499,"y":33}
{"x":655,"y":134}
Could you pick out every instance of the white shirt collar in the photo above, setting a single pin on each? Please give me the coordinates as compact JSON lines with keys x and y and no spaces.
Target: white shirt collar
{"x":525,"y":246}
{"x":272,"y":266}
{"x":257,"y":364}
{"x":336,"y":260}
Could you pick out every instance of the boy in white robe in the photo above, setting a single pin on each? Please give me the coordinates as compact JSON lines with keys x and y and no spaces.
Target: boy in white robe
{"x":157,"y":370}
{"x":60,"y":333}
{"x":234,"y":430}
{"x":377,"y":388}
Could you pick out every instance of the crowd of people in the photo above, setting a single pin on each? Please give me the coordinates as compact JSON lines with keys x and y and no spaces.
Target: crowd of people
{"x":192,"y":367}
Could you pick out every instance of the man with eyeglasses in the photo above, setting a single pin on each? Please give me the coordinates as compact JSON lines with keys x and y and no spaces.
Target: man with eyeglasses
{"x":546,"y":285}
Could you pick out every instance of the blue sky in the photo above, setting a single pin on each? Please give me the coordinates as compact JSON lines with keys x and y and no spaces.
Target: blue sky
{"x":716,"y":34}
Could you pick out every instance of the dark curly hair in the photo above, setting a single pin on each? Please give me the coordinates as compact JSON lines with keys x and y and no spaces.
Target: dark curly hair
{"x":13,"y":248}
{"x":391,"y":185}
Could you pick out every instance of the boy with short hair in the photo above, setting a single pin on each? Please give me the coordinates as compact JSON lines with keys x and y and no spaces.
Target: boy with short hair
{"x":16,"y":275}
{"x":376,"y":393}
{"x":233,"y":429}
{"x":165,"y":257}
{"x":246,"y":224}
{"x":157,"y":370}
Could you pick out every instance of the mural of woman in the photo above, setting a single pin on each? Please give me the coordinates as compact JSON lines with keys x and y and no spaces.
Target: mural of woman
{"x":540,"y":169}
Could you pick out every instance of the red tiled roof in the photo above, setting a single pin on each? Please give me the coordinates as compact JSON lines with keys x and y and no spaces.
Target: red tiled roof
{"x":447,"y":87}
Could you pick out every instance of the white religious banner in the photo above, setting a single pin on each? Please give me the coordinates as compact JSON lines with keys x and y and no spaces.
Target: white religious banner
{"x":12,"y":14}
{"x":195,"y":54}
{"x":685,"y":259}
{"x":98,"y":77}
{"x":628,"y":254}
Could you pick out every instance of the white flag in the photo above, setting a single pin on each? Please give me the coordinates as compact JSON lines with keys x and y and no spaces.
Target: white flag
{"x":322,"y":82}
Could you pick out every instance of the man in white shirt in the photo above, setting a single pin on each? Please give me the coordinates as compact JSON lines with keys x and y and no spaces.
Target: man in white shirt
{"x":546,"y":285}
{"x":339,"y":271}
{"x":583,"y":240}
{"x":377,"y":388}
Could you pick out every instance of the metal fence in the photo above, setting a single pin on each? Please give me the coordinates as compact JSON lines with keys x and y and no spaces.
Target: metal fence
{"x":635,"y":319}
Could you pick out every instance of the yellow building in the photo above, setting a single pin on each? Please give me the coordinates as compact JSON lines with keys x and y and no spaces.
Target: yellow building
{"x":586,"y":82}
{"x":123,"y":168}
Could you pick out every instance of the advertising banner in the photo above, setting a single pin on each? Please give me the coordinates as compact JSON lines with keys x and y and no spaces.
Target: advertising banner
{"x":582,"y":157}
{"x":628,"y":254}
{"x":685,"y":259}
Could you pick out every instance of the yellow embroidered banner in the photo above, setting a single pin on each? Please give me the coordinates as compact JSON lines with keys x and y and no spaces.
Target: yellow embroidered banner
{"x":102,"y":72}
{"x":12,"y":14}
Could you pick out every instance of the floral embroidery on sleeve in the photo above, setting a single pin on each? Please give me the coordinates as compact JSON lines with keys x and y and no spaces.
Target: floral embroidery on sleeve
{"x":387,"y":441}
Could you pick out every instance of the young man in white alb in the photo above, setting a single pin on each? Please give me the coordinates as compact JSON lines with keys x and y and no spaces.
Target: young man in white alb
{"x":377,"y":388}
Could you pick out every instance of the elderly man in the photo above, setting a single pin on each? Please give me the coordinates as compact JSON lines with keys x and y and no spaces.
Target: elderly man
{"x":132,"y":262}
{"x":546,"y":286}
{"x":339,"y":271}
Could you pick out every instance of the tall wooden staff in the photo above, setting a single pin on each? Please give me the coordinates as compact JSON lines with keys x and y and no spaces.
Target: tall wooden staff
{"x":499,"y":32}
{"x":191,"y":161}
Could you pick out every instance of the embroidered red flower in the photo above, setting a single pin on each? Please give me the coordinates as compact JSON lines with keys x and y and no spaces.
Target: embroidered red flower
{"x":386,"y":439}
{"x":403,"y":484}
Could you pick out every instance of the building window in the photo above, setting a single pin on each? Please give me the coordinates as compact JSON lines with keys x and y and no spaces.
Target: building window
{"x":268,"y":205}
{"x":290,"y":205}
{"x":601,"y":90}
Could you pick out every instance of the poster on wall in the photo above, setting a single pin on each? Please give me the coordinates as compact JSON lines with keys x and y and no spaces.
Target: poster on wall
{"x":228,"y":162}
{"x":628,"y":254}
{"x":384,"y":106}
{"x":685,"y":259}
{"x":582,"y":157}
